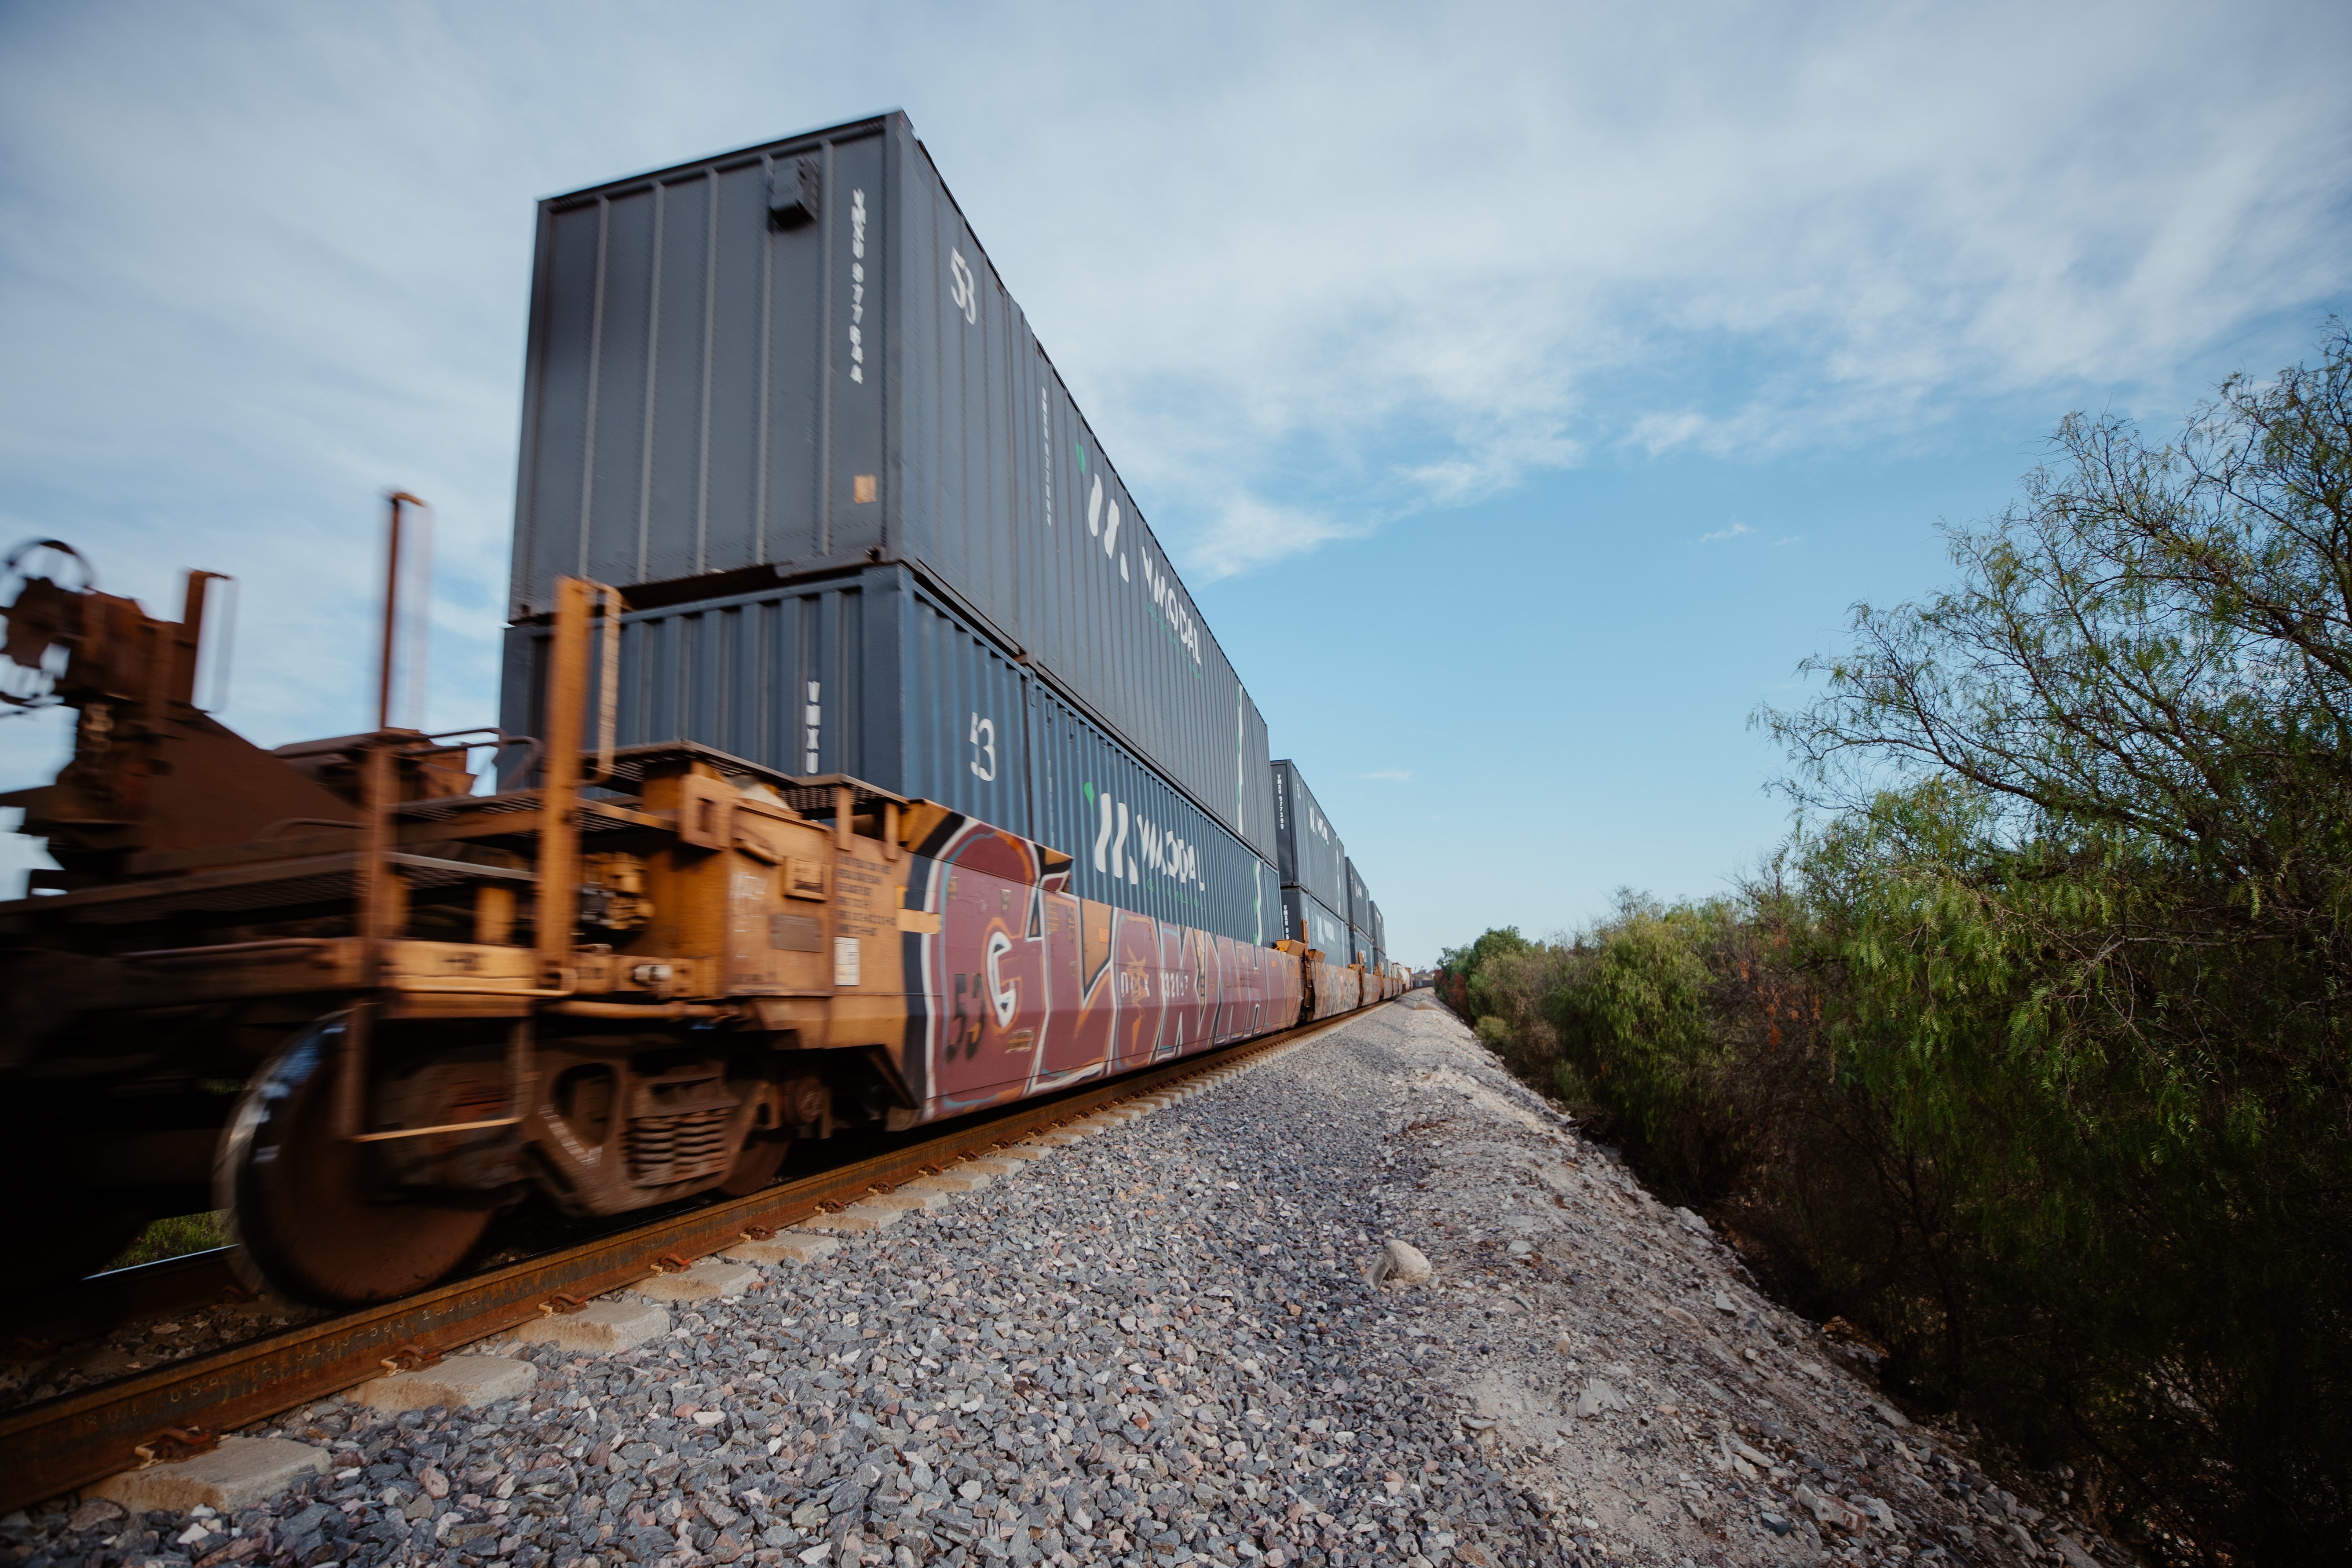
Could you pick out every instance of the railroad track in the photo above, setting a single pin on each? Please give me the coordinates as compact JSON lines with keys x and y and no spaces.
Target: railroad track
{"x":67,"y":1442}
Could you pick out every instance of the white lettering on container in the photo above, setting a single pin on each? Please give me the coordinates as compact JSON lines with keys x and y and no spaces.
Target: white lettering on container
{"x":961,"y":289}
{"x":1166,"y":595}
{"x":856,"y":285}
{"x":1156,"y":848}
{"x":984,"y":747}
{"x":812,"y":720}
{"x":1169,"y":600}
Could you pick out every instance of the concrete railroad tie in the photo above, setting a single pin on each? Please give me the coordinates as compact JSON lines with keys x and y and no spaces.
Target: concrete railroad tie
{"x":460,"y":1382}
{"x":700,"y":1283}
{"x":241,"y":1472}
{"x":782,"y":1249}
{"x":599,"y":1326}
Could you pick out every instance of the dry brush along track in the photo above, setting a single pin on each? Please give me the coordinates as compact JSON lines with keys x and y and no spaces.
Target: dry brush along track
{"x":74,"y":1439}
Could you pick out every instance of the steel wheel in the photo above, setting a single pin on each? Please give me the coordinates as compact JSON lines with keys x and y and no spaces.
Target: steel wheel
{"x":296,"y":1197}
{"x":763,"y":1157}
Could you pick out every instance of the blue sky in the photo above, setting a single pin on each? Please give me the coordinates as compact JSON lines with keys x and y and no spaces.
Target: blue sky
{"x":1523,"y":390}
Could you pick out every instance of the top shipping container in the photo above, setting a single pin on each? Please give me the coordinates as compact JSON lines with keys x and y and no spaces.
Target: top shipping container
{"x":796,"y":359}
{"x":1306,"y":848}
{"x":1358,"y":906}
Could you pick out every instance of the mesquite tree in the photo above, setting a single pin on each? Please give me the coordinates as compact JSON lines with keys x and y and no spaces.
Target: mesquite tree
{"x":2081,"y":898}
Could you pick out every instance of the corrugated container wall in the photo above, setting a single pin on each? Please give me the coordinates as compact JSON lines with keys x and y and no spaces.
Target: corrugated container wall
{"x":1358,"y":904}
{"x":1137,"y":842}
{"x":1379,"y":934}
{"x":796,"y":357}
{"x":1308,"y":849}
{"x":870,"y":674}
{"x":1306,"y":919}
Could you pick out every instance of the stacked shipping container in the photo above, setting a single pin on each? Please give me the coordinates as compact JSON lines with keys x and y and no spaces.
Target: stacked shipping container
{"x":1306,"y":920}
{"x":781,"y":399}
{"x":1313,"y":865}
{"x":870,"y":674}
{"x":1362,"y":922}
{"x":1307,"y":851}
{"x":796,"y":360}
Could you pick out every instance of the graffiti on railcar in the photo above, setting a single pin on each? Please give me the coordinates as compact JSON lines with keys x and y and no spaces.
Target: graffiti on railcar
{"x":985,"y":972}
{"x":1026,"y":988}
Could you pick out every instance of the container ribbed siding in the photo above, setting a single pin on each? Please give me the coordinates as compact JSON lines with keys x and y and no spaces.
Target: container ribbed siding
{"x":1359,"y":918}
{"x":1137,"y":842}
{"x":796,"y":357}
{"x":1379,"y":935}
{"x":1308,"y":849}
{"x":1306,"y":919}
{"x":870,"y":674}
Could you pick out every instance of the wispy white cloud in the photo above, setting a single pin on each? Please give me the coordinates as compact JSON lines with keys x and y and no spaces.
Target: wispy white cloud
{"x":1391,"y":775}
{"x":1760,"y":232}
{"x":1657,"y":434}
{"x":1246,"y":532}
{"x":1733,"y":531}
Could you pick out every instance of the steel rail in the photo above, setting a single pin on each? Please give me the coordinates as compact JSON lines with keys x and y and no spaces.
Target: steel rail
{"x":69,"y":1441}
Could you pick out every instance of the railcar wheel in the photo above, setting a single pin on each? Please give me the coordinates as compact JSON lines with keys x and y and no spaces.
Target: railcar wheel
{"x":763,"y":1157}
{"x":296,"y":1193}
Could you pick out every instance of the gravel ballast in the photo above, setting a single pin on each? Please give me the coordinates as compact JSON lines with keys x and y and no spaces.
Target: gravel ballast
{"x":1182,"y":1338}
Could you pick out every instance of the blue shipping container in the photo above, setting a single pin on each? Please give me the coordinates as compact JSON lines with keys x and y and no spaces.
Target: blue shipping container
{"x":1306,"y":919}
{"x":1307,"y":851}
{"x":870,"y":674}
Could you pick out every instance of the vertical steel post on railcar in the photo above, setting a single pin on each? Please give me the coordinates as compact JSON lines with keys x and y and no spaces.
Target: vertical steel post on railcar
{"x":556,"y":910}
{"x":189,"y":639}
{"x":372,"y":876}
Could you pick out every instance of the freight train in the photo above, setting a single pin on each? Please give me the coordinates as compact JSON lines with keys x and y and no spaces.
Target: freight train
{"x":862,"y":763}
